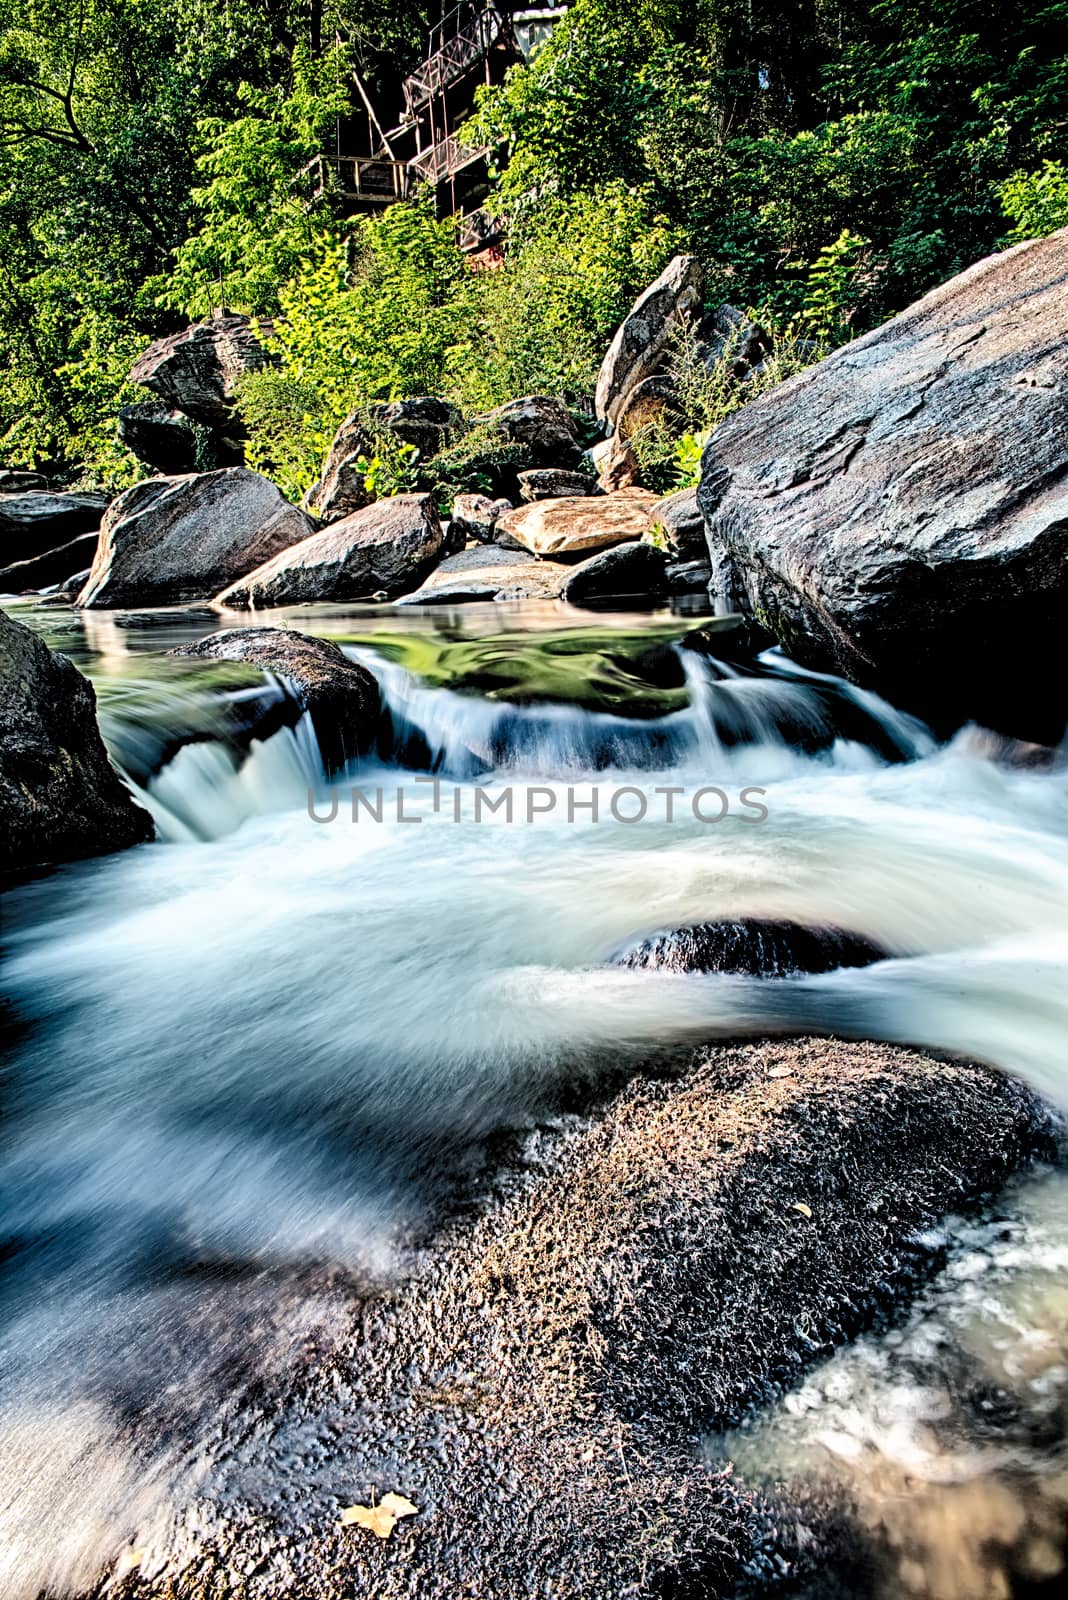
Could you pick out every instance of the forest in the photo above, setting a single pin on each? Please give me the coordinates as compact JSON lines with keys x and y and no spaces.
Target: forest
{"x":827,"y":163}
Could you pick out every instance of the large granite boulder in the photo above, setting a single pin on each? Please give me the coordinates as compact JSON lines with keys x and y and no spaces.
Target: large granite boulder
{"x":576,"y":525}
{"x":60,"y":796}
{"x":198,"y":370}
{"x":898,"y":513}
{"x":340,"y":696}
{"x":643,"y":338}
{"x":754,"y":946}
{"x":426,"y":423}
{"x":170,"y":540}
{"x":169,"y":442}
{"x":54,"y":566}
{"x":541,"y":425}
{"x":678,"y":516}
{"x":32,"y":522}
{"x":385,"y":548}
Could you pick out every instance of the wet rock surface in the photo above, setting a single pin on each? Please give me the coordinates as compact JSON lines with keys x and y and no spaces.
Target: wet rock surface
{"x":170,"y":540}
{"x":891,"y":511}
{"x":490,"y":573}
{"x":53,"y":566}
{"x":341,"y":696}
{"x":60,"y":796}
{"x":751,"y":945}
{"x":539,"y":1386}
{"x":628,"y":571}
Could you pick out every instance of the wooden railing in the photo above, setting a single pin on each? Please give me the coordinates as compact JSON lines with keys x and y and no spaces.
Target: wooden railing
{"x":444,"y":159}
{"x":373,"y":180}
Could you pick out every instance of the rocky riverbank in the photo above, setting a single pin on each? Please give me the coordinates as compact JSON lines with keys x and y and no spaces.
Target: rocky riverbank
{"x":537,"y":1388}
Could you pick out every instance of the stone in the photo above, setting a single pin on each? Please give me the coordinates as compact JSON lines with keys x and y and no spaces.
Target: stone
{"x":576,"y":525}
{"x":53,"y":566}
{"x":170,"y":540}
{"x":679,"y":518}
{"x":198,"y":370}
{"x":688,"y":577}
{"x":342,"y":489}
{"x":555,"y":483}
{"x":643,"y":338}
{"x":425,"y":422}
{"x":60,"y":796}
{"x":897,"y":513}
{"x":754,"y":946}
{"x":160,"y":437}
{"x":475,"y":516}
{"x":615,"y":463}
{"x":387,"y":547}
{"x":647,"y":404}
{"x":340,"y":696}
{"x":627,"y":571}
{"x":32,"y":522}
{"x":490,"y":573}
{"x":542,"y":425}
{"x":727,"y":328}
{"x":15,"y":481}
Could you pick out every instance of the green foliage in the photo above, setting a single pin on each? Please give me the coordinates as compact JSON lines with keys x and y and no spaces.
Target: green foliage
{"x":689,"y":448}
{"x":289,"y":428}
{"x":831,"y":289}
{"x":391,"y":469}
{"x":1036,"y":203}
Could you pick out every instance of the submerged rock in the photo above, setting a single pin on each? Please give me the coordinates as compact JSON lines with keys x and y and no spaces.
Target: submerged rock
{"x":388,"y":547}
{"x":170,"y":540}
{"x":751,"y":945}
{"x":897,"y":513}
{"x":537,"y":1386}
{"x":340,"y":696}
{"x":60,"y":796}
{"x":576,"y":525}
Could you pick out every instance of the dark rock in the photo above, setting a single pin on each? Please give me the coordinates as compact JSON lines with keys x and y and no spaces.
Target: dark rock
{"x":554,"y":483}
{"x":170,"y":540}
{"x":728,"y":329}
{"x":32,"y":522}
{"x":890,"y":512}
{"x":12,"y":481}
{"x":342,"y":489}
{"x":389,"y":547}
{"x":688,"y":577}
{"x":340,"y":696}
{"x":60,"y":796}
{"x":683,"y":526}
{"x":54,"y":566}
{"x":198,"y":370}
{"x":624,"y":572}
{"x":543,"y":426}
{"x":475,"y":516}
{"x":643,"y":339}
{"x":168,"y":442}
{"x":641,"y":1280}
{"x":427,"y":423}
{"x":752,"y":946}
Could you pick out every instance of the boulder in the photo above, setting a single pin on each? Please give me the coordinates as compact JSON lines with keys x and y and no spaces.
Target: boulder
{"x":555,"y":483}
{"x":491,"y":573}
{"x":387,"y":547}
{"x":643,"y":338}
{"x":627,"y":571}
{"x":543,"y":426}
{"x":14,"y":481}
{"x":475,"y":516}
{"x":425,"y":422}
{"x":198,"y":370}
{"x":688,"y":577}
{"x":679,"y":517}
{"x":169,"y":540}
{"x":897,"y":513}
{"x":727,"y":328}
{"x":60,"y":796}
{"x":54,"y":566}
{"x":161,"y":438}
{"x":615,"y":463}
{"x":340,"y":696}
{"x":576,"y":525}
{"x":645,"y":405}
{"x":754,"y":946}
{"x":33,"y":522}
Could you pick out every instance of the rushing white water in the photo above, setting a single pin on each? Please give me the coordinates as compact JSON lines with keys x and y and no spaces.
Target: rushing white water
{"x":266,"y":1041}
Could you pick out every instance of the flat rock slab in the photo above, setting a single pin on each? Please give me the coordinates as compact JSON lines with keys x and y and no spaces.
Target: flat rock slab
{"x":538,"y":1389}
{"x":491,"y":573}
{"x":898,"y":512}
{"x":573,"y":526}
{"x":33,"y":522}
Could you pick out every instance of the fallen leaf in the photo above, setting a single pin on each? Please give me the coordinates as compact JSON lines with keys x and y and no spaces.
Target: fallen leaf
{"x":806,"y":1211}
{"x":382,"y":1518}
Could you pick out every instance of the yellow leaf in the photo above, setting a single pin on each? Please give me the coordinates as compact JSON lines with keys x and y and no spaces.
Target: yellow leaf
{"x":397,"y":1505}
{"x":806,"y":1211}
